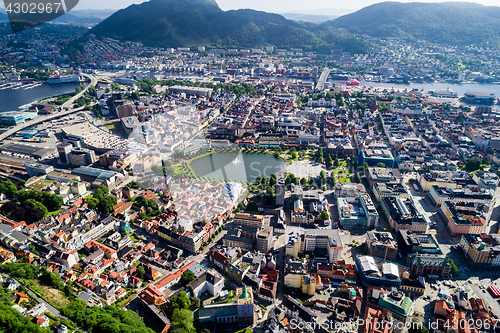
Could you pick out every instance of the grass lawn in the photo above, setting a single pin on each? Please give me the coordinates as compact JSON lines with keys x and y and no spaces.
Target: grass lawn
{"x":54,"y":212}
{"x":344,"y":180}
{"x":177,"y":169}
{"x":112,"y":127}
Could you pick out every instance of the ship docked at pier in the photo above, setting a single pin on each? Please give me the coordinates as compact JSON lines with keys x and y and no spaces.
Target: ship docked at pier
{"x":65,"y":78}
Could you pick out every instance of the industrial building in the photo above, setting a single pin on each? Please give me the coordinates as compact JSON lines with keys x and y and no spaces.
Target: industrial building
{"x":35,"y":152}
{"x":81,"y":156}
{"x":75,"y":156}
{"x":202,"y":92}
{"x":89,"y":136}
{"x":13,"y":118}
{"x":37,"y":169}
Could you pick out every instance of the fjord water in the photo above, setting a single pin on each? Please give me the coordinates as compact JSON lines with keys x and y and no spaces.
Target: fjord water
{"x":14,"y":99}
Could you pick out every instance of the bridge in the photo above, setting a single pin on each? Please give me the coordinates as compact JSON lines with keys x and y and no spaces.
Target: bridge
{"x":41,"y":119}
{"x":322,"y":79}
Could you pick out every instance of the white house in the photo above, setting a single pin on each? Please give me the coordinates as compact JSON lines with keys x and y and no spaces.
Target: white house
{"x":210,"y":281}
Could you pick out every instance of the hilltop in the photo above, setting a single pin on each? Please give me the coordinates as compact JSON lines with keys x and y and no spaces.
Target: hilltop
{"x":176,"y":23}
{"x":454,"y":23}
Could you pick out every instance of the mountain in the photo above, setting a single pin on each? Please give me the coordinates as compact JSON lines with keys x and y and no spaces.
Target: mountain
{"x":176,"y":23}
{"x":453,"y":23}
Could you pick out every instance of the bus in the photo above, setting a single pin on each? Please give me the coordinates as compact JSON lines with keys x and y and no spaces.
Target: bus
{"x":494,"y":291}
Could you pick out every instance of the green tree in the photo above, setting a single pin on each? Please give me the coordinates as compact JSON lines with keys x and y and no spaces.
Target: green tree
{"x":324,"y":215}
{"x":269,"y":190}
{"x":187,"y":277}
{"x":184,"y":319}
{"x":336,"y":162}
{"x":101,"y":192}
{"x":38,"y":205}
{"x":357,"y":179}
{"x":68,"y":290}
{"x":241,"y":206}
{"x":8,"y":188}
{"x":105,"y":205}
{"x":195,"y":303}
{"x":486,"y":161}
{"x":179,"y":302}
{"x":139,"y":273}
{"x":473,"y":164}
{"x":252,"y":206}
{"x":380,"y":165}
{"x":303,"y":182}
{"x":454,"y":268}
{"x":157,"y":170}
{"x":329,"y":161}
{"x":92,"y":203}
{"x":13,"y":321}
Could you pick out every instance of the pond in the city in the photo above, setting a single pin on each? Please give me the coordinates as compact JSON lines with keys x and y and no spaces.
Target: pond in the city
{"x":237,"y":166}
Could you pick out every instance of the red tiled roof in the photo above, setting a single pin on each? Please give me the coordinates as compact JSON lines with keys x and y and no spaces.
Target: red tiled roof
{"x":167,"y":279}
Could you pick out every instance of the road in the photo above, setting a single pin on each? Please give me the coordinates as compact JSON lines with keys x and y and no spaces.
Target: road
{"x":322,"y":79}
{"x":491,"y":303}
{"x":37,"y":120}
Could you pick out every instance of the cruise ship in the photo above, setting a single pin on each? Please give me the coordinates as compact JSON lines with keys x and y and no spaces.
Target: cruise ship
{"x":443,"y":93}
{"x":65,"y":78}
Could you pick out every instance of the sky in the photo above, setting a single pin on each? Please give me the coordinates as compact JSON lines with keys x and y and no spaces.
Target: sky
{"x":319,"y":7}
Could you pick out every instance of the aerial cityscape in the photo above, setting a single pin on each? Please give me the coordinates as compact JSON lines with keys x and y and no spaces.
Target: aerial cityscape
{"x":175,"y":167}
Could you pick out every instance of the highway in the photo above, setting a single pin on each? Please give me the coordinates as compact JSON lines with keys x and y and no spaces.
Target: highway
{"x":322,"y":79}
{"x":41,"y":119}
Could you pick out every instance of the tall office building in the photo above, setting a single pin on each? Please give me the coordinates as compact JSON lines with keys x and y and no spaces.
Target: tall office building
{"x":64,"y":149}
{"x":81,"y":156}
